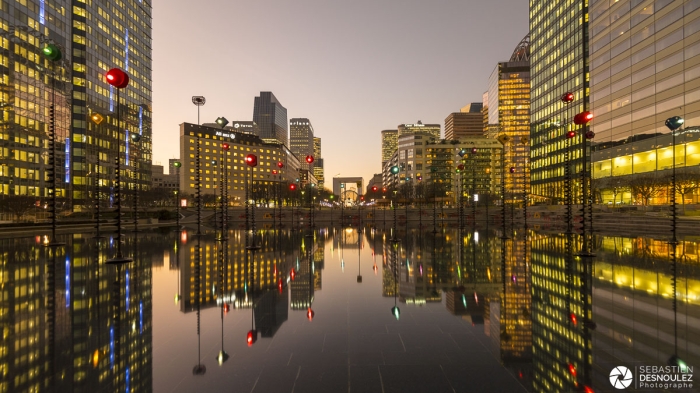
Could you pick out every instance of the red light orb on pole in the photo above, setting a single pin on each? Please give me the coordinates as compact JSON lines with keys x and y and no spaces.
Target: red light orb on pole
{"x":117,"y":78}
{"x":309,"y":159}
{"x":374,"y":189}
{"x":310,"y":314}
{"x":251,"y":160}
{"x":570,"y":134}
{"x":583,"y":118}
{"x":567,"y":97}
{"x":274,"y":171}
{"x":280,"y":165}
{"x":292,"y":187}
{"x":225,"y":146}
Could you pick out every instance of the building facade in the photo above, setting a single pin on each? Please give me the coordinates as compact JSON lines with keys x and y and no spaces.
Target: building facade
{"x":237,"y":173}
{"x":645,"y":64}
{"x":428,"y":167}
{"x":467,"y":122}
{"x":301,"y":140}
{"x":271,"y":118}
{"x":558,"y":65}
{"x":319,"y":173}
{"x":93,"y":38}
{"x":390,"y":142}
{"x":432,"y":129}
{"x":509,"y":115}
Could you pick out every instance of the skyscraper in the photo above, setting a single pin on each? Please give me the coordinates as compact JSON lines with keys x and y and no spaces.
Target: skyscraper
{"x":92,"y":37}
{"x":559,"y":64}
{"x":467,"y":122}
{"x":301,"y":140}
{"x":509,"y":114}
{"x":390,"y":142}
{"x":271,"y":118}
{"x":318,"y":163}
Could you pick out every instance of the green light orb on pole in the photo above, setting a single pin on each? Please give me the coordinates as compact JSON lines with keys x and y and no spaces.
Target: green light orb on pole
{"x":394,"y":169}
{"x":52,"y":52}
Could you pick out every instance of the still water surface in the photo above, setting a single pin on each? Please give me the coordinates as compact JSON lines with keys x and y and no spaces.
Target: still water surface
{"x":454,"y":311}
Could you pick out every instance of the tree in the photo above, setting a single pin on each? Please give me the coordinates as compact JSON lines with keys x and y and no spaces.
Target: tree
{"x":17,"y":205}
{"x":686,"y":182}
{"x":645,"y":187}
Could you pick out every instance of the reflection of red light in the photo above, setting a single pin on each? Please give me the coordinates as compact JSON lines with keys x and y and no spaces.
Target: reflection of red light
{"x":587,"y":389}
{"x":572,"y":370}
{"x":572,"y":316}
{"x":520,"y":375}
{"x":226,"y":307}
{"x":183,"y":236}
{"x":310,"y":314}
{"x":279,"y":285}
{"x":293,"y":274}
{"x":38,"y":239}
{"x":252,"y":337}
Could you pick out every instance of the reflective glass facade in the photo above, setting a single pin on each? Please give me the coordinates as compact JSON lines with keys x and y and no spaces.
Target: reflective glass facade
{"x":558,"y":60}
{"x":93,"y":37}
{"x":390,"y":142}
{"x":645,"y":65}
{"x":301,"y":140}
{"x":271,"y":118}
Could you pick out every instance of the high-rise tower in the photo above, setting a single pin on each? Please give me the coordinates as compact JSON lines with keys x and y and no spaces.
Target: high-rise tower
{"x":559,"y":64}
{"x":301,"y":140}
{"x":271,"y":118}
{"x":467,"y":122}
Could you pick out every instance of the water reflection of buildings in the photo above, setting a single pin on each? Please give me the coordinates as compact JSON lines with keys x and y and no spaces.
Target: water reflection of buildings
{"x":271,"y":311}
{"x":57,"y":313}
{"x":275,"y":255}
{"x":302,"y":287}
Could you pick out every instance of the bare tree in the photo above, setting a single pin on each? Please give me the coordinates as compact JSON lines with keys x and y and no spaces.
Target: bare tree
{"x":686,"y":182}
{"x":645,"y":187}
{"x":17,"y":205}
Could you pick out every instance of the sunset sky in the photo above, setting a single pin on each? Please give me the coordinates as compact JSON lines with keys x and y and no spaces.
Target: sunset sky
{"x":353,"y":68}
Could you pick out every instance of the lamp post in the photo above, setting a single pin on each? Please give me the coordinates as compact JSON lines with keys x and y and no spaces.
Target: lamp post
{"x":394,"y":171}
{"x":177,"y":165}
{"x":223,"y":169}
{"x":118,"y":79}
{"x":135,"y":138}
{"x":52,"y":53}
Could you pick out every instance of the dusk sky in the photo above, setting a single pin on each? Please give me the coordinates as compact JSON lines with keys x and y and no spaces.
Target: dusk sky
{"x":353,"y":67}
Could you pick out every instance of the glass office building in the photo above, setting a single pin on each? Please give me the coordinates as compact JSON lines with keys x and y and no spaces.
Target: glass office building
{"x":301,"y":140}
{"x":644,"y":69}
{"x":93,"y":37}
{"x":558,"y":64}
{"x":271,"y":118}
{"x":509,"y":114}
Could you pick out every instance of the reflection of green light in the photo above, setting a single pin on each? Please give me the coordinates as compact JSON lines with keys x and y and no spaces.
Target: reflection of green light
{"x":459,"y":273}
{"x":396,"y":312}
{"x":464,"y":300}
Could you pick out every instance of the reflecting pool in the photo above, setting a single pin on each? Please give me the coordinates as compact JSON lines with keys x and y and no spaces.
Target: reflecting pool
{"x":356,"y":309}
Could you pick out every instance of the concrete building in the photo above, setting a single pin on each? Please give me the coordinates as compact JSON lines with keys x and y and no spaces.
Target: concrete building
{"x":271,"y":118}
{"x":432,"y":129}
{"x":467,"y":122}
{"x":86,"y":148}
{"x":237,"y":173}
{"x":424,"y":162}
{"x":162,"y":180}
{"x":301,"y":140}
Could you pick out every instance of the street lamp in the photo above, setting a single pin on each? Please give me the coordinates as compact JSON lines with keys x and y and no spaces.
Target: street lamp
{"x":52,"y":53}
{"x":223,"y":169}
{"x":177,"y":165}
{"x":119,"y":80}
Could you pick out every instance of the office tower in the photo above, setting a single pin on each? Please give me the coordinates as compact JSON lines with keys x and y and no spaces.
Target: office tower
{"x":301,"y":140}
{"x":271,"y":118}
{"x":644,"y":70}
{"x":318,"y":163}
{"x":390,"y":142}
{"x":237,"y":172}
{"x":432,"y":129}
{"x":467,"y":122}
{"x":559,"y":64}
{"x":93,"y":38}
{"x":509,"y":114}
